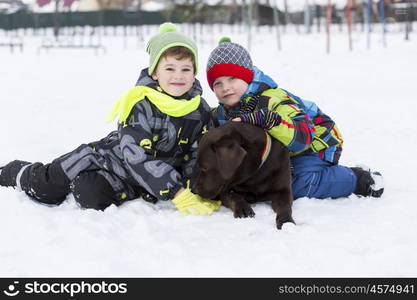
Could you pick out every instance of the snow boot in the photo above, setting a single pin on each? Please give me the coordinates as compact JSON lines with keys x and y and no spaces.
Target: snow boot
{"x":369,"y":184}
{"x":9,"y":172}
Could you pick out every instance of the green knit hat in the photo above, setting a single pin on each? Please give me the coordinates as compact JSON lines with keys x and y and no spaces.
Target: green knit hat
{"x":168,"y":37}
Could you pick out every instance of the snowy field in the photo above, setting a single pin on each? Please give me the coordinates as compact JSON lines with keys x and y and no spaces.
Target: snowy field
{"x":52,"y":102}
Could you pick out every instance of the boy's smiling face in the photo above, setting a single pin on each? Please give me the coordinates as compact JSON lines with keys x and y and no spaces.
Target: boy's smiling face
{"x":229,"y":90}
{"x":175,"y":76}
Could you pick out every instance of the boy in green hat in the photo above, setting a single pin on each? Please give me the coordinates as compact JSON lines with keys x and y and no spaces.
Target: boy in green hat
{"x":153,"y":151}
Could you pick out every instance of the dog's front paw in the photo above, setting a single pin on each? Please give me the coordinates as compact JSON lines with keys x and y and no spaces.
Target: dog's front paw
{"x":242,"y":209}
{"x":282,"y":220}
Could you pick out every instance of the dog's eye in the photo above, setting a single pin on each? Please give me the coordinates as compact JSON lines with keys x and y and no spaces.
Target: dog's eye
{"x":203,"y":169}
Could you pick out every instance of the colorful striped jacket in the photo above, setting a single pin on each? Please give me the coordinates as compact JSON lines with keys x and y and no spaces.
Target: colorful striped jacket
{"x":303,"y":129}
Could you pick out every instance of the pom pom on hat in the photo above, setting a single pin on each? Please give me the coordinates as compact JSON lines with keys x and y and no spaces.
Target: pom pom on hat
{"x":229,"y":59}
{"x":167,"y":27}
{"x":225,"y":39}
{"x":168,"y":37}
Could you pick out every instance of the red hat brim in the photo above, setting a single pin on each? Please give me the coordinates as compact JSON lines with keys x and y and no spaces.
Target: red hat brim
{"x":234,"y":70}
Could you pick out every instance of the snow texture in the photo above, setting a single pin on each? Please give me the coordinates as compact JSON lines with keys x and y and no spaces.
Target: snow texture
{"x":54,"y":101}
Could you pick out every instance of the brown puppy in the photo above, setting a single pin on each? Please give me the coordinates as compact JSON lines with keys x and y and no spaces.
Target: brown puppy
{"x":239,"y":164}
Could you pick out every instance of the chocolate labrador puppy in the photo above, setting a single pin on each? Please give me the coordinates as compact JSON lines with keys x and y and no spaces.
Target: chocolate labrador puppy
{"x":240,"y":164}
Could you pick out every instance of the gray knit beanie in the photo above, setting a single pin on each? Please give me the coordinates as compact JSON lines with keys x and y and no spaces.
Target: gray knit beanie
{"x":229,"y":59}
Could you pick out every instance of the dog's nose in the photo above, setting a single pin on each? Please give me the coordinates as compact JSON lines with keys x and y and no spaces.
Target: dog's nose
{"x":193,"y":185}
{"x":194,"y":179}
{"x":193,"y":190}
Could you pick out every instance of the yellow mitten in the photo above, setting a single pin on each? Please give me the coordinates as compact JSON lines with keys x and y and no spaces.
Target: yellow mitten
{"x":189,"y":203}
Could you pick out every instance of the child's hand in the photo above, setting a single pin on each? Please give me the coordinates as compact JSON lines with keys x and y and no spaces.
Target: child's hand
{"x":246,"y":108}
{"x":189,"y":203}
{"x":264,"y":118}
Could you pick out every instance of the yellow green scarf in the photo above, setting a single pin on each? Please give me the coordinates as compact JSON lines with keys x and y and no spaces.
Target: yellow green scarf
{"x":164,"y":102}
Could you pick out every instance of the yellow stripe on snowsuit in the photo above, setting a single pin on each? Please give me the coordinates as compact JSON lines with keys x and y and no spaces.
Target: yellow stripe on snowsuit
{"x":318,"y":144}
{"x":165,"y":103}
{"x":285,"y":131}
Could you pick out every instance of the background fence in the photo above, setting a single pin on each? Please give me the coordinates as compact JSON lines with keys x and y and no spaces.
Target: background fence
{"x":262,"y":15}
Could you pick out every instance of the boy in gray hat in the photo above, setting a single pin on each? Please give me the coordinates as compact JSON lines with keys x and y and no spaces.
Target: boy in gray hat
{"x":153,"y":151}
{"x":248,"y":95}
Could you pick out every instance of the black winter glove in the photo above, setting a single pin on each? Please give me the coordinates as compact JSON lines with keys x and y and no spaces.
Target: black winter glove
{"x":244,"y":109}
{"x":264,"y":118}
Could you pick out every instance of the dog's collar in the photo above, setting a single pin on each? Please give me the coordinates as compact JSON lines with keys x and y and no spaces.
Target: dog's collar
{"x":267,"y":149}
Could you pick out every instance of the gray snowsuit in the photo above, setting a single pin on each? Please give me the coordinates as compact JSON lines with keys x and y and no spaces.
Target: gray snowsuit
{"x":152,"y":152}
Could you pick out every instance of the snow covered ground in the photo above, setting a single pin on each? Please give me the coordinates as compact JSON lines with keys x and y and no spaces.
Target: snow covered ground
{"x":52,"y":102}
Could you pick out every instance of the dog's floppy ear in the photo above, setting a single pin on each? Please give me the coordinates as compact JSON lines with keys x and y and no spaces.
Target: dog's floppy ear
{"x":229,"y":156}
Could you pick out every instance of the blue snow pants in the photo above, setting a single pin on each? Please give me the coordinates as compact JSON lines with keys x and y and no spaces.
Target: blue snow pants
{"x":315,"y":178}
